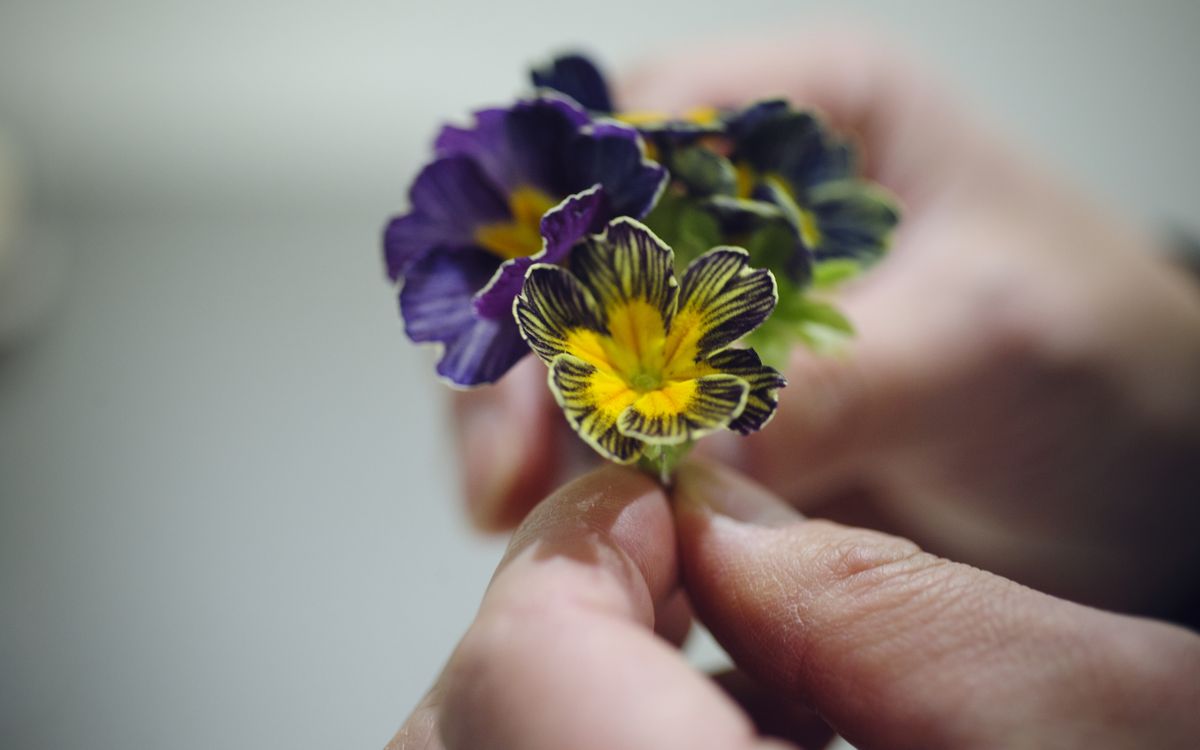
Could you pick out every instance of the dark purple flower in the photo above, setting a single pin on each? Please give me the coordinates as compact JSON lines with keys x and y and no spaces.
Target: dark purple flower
{"x":520,"y":185}
{"x":575,"y":75}
{"x":578,"y":77}
{"x":772,"y":137}
{"x":786,"y":161}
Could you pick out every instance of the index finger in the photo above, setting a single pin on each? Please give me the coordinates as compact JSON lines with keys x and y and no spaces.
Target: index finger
{"x":563,"y":652}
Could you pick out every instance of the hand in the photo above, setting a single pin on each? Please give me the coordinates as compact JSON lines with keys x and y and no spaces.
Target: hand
{"x":1024,"y":390}
{"x":892,"y":646}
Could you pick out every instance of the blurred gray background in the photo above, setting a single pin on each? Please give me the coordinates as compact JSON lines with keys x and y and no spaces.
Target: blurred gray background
{"x":228,"y":501}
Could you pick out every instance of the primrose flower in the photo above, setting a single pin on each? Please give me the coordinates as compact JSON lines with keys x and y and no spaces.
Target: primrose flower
{"x":638,"y":359}
{"x":785,"y":158}
{"x":521,"y":184}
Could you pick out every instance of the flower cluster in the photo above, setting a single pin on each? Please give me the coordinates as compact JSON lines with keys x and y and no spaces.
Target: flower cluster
{"x":635,"y":253}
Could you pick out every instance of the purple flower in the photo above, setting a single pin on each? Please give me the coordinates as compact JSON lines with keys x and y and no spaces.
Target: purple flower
{"x":577,"y":77}
{"x":521,"y":185}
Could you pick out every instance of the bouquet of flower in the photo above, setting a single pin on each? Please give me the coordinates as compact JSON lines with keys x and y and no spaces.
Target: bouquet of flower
{"x":662,"y":266}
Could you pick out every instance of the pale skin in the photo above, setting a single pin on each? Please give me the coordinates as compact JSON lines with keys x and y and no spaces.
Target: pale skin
{"x":1023,"y":397}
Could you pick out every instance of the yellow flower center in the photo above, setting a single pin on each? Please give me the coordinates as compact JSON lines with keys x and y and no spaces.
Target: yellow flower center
{"x":646,"y":381}
{"x":696,"y":116}
{"x":521,"y":235}
{"x":641,"y":354}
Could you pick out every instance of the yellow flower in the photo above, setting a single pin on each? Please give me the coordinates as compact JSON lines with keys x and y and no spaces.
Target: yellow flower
{"x":637,"y":358}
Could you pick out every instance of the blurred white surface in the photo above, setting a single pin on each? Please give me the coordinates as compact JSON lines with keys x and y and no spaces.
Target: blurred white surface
{"x":228,"y":511}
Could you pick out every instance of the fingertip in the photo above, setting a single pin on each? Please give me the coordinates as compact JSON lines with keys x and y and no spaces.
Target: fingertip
{"x":609,"y":518}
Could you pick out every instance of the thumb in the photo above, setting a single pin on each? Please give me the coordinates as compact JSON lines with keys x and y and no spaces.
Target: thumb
{"x":898,"y":648}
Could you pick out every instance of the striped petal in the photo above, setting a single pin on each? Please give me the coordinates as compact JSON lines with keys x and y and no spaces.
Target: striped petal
{"x":764,"y":384}
{"x":721,"y":299}
{"x":557,"y":316}
{"x":774,"y":138}
{"x":627,"y":263}
{"x":630,"y":273}
{"x":593,"y":399}
{"x":853,"y":219}
{"x":684,"y":410}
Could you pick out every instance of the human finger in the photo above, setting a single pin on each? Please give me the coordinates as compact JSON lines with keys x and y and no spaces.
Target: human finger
{"x":563,"y":651}
{"x":898,"y":648}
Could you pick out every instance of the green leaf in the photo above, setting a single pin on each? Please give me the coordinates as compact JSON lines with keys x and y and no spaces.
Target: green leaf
{"x":800,"y":319}
{"x":703,"y":171}
{"x":698,"y":232}
{"x":685,"y":225}
{"x":828,"y":274}
{"x":772,"y":245}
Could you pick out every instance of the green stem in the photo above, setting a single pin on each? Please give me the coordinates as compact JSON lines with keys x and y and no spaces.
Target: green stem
{"x":659,"y":461}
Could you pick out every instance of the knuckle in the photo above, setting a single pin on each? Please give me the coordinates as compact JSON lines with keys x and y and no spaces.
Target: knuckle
{"x":875,"y":584}
{"x":860,"y":558}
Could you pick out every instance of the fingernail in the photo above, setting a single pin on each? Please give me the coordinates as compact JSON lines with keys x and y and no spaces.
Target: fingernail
{"x":722,"y":491}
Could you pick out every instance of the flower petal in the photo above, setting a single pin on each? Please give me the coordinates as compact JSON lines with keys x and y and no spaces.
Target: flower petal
{"x":556,"y":315}
{"x":593,"y":399}
{"x":519,"y":146}
{"x":613,"y":156}
{"x":748,"y":118}
{"x":764,"y":383}
{"x":577,"y":77}
{"x":855,"y":219}
{"x":721,"y":299}
{"x":776,"y":139}
{"x":435,"y":302}
{"x":562,"y":226}
{"x":485,"y":143}
{"x":540,"y":131}
{"x":684,"y":410}
{"x":627,"y":264}
{"x":450,"y":197}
